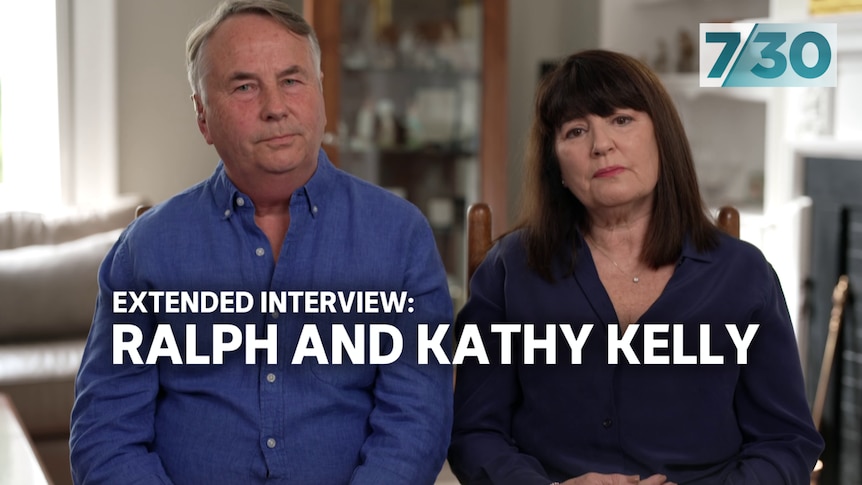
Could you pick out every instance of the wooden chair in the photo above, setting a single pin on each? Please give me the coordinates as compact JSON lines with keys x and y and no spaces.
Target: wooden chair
{"x":479,"y":232}
{"x":140,"y":210}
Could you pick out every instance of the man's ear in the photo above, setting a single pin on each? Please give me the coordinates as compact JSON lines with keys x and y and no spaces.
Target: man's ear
{"x":201,"y":117}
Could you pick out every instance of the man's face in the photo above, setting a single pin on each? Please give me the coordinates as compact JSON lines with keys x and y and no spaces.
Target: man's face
{"x":262,"y":104}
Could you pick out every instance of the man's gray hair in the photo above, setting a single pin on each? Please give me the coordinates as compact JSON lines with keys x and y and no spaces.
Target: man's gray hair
{"x":277,"y":9}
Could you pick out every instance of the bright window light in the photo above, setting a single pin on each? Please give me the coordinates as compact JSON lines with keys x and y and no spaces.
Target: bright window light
{"x":29,"y":104}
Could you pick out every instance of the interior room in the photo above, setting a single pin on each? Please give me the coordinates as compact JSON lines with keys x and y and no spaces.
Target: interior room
{"x":430,"y":100}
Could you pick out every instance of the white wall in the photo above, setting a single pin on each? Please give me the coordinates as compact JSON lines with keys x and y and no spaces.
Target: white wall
{"x":539,"y":31}
{"x":160,"y":149}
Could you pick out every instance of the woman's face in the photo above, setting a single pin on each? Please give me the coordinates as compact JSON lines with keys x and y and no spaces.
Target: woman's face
{"x":609,"y":162}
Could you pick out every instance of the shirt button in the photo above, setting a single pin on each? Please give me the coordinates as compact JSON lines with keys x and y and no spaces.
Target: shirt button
{"x":240,"y":201}
{"x":314,"y":209}
{"x":259,"y":251}
{"x":274,"y":315}
{"x":270,"y":378}
{"x":270,"y":443}
{"x":608,"y":423}
{"x":227,"y":213}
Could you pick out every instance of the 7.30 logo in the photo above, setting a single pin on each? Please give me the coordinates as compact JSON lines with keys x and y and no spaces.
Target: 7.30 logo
{"x":749,"y":54}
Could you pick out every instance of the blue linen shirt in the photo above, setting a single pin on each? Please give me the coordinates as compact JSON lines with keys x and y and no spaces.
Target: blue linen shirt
{"x":268,"y":423}
{"x":698,"y":424}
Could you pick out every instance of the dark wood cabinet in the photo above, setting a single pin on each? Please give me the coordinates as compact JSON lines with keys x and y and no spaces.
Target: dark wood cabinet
{"x":416,"y":102}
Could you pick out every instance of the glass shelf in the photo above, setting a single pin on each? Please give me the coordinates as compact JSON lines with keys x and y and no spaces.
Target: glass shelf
{"x":409,"y":115}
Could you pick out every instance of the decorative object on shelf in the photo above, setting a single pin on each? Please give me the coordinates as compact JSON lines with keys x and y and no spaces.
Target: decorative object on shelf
{"x":437,"y":108}
{"x":468,"y":124}
{"x":755,"y":187}
{"x":441,"y":212}
{"x":686,"y":60}
{"x":820,"y":7}
{"x":364,"y":126}
{"x":407,"y":43}
{"x":660,"y":62}
{"x":382,"y":11}
{"x":355,"y":57}
{"x":469,"y":16}
{"x":449,"y":48}
{"x":413,"y":125}
{"x":386,"y":127}
{"x":816,"y":110}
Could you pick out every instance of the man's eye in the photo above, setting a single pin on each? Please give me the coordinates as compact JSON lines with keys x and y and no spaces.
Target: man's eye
{"x":290,"y":82}
{"x":244,"y":88}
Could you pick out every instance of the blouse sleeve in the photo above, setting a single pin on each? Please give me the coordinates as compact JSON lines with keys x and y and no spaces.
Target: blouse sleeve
{"x":780,"y":442}
{"x":482,"y":450}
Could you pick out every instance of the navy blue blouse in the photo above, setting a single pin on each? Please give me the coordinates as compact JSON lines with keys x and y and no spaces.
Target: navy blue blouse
{"x":698,"y":423}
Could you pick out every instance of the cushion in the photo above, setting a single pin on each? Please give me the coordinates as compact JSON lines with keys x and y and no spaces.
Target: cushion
{"x":21,"y":228}
{"x":49,"y":291}
{"x":40,"y":380}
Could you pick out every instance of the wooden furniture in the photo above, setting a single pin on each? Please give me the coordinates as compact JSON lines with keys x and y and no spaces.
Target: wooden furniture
{"x":19,"y":462}
{"x":728,"y":220}
{"x":839,"y":300}
{"x":415,"y":97}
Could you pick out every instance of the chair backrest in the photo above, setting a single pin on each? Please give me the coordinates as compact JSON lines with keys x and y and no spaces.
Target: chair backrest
{"x":140,"y":210}
{"x":478,"y":237}
{"x":479,"y":232}
{"x":728,"y":220}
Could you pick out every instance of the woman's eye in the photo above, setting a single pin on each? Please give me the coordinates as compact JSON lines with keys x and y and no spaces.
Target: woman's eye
{"x":622,"y":120}
{"x":574,"y":132}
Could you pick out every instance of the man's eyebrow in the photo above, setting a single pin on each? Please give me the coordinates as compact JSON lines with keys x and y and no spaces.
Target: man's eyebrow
{"x":241,"y":76}
{"x":245,"y":76}
{"x":292,"y":70}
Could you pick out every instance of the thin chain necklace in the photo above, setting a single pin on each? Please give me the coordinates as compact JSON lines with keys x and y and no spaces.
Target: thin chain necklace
{"x":635,"y":278}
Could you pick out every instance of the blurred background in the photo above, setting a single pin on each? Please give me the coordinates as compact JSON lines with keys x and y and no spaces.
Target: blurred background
{"x":433,"y":101}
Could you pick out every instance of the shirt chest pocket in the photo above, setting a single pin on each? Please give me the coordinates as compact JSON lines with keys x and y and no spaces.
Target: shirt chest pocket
{"x":350,"y":356}
{"x":346,"y":376}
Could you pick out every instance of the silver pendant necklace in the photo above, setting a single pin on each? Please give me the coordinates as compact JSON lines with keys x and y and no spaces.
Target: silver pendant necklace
{"x":635,"y":278}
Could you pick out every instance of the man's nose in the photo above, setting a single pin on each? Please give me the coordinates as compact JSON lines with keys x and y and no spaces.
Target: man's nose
{"x":274,"y":104}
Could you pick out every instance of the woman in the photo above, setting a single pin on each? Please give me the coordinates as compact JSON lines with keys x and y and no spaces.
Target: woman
{"x":615,"y":235}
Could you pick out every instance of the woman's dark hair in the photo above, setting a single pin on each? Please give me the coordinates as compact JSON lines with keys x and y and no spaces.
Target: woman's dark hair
{"x":599,"y":82}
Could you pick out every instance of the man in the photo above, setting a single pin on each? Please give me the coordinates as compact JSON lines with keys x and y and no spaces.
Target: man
{"x":276,"y":217}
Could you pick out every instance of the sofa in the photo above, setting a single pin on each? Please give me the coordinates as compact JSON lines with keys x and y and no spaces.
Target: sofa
{"x":48,"y":268}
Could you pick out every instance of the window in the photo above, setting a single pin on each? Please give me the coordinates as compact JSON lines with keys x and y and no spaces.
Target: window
{"x":29,"y":105}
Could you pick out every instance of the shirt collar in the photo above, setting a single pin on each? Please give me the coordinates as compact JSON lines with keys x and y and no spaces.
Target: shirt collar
{"x":226,"y":195}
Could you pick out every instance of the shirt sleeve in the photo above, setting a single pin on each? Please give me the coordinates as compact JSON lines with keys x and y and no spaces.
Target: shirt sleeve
{"x":482,"y":449}
{"x":780,"y":442}
{"x":412,"y":417}
{"x":113,"y":416}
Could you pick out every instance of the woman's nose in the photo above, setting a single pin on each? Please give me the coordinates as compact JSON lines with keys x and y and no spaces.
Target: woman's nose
{"x":602,"y":142}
